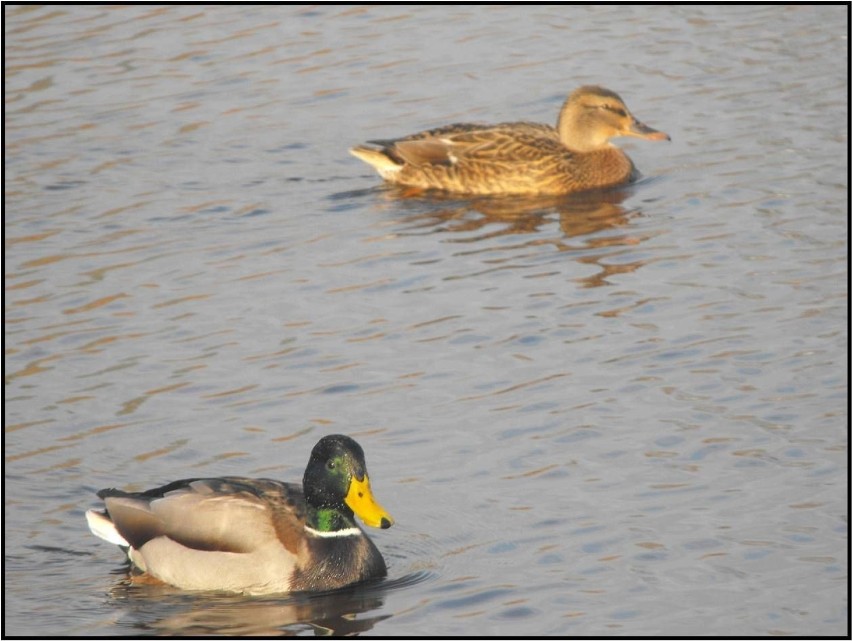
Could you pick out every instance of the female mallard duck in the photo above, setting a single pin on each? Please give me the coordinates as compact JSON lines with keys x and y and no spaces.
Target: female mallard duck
{"x":253,"y":535}
{"x":518,"y":157}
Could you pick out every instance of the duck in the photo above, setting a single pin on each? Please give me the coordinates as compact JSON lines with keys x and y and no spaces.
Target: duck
{"x":253,"y":535}
{"x":518,"y":158}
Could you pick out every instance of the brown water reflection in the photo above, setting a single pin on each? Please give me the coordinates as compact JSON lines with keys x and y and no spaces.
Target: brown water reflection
{"x":584,"y":222}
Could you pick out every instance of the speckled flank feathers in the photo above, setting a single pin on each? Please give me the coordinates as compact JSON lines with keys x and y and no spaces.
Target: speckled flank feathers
{"x":518,"y":157}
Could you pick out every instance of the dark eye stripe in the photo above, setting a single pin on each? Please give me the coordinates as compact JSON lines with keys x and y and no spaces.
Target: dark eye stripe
{"x":617,"y":110}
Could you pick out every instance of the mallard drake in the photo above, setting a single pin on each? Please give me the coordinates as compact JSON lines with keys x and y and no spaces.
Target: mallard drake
{"x":253,"y":535}
{"x":518,"y":157}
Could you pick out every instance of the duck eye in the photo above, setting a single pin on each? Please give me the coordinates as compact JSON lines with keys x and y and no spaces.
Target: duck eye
{"x":330,"y":464}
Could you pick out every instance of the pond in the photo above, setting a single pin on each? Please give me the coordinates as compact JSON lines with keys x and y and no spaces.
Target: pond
{"x":619,"y":413}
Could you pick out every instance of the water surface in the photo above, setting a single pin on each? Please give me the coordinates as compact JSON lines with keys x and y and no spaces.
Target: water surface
{"x":613,"y":414}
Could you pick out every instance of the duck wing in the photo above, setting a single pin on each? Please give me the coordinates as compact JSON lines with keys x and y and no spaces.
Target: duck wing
{"x":230,"y":514}
{"x":461,"y":143}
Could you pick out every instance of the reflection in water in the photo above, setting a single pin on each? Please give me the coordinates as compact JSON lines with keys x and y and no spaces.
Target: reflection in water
{"x":579,"y":215}
{"x":586,"y":221}
{"x":161,"y":609}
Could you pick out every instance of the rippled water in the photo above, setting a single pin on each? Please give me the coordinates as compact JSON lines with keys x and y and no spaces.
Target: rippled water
{"x":617,"y":414}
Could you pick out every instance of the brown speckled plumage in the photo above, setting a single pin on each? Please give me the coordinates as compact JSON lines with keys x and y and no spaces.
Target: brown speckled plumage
{"x":518,"y":157}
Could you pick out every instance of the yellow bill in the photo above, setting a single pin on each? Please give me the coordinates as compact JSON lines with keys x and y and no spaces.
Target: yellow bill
{"x":361,"y":500}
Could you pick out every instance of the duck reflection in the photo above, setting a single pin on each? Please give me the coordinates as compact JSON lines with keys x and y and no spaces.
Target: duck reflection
{"x":586,"y":222}
{"x":163,"y":610}
{"x":579,"y":214}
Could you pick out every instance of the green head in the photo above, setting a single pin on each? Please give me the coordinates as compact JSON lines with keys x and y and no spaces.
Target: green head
{"x":336,"y":486}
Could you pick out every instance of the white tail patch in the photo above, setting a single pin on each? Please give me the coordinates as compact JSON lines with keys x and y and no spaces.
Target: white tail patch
{"x":386,"y":167}
{"x":102,"y":527}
